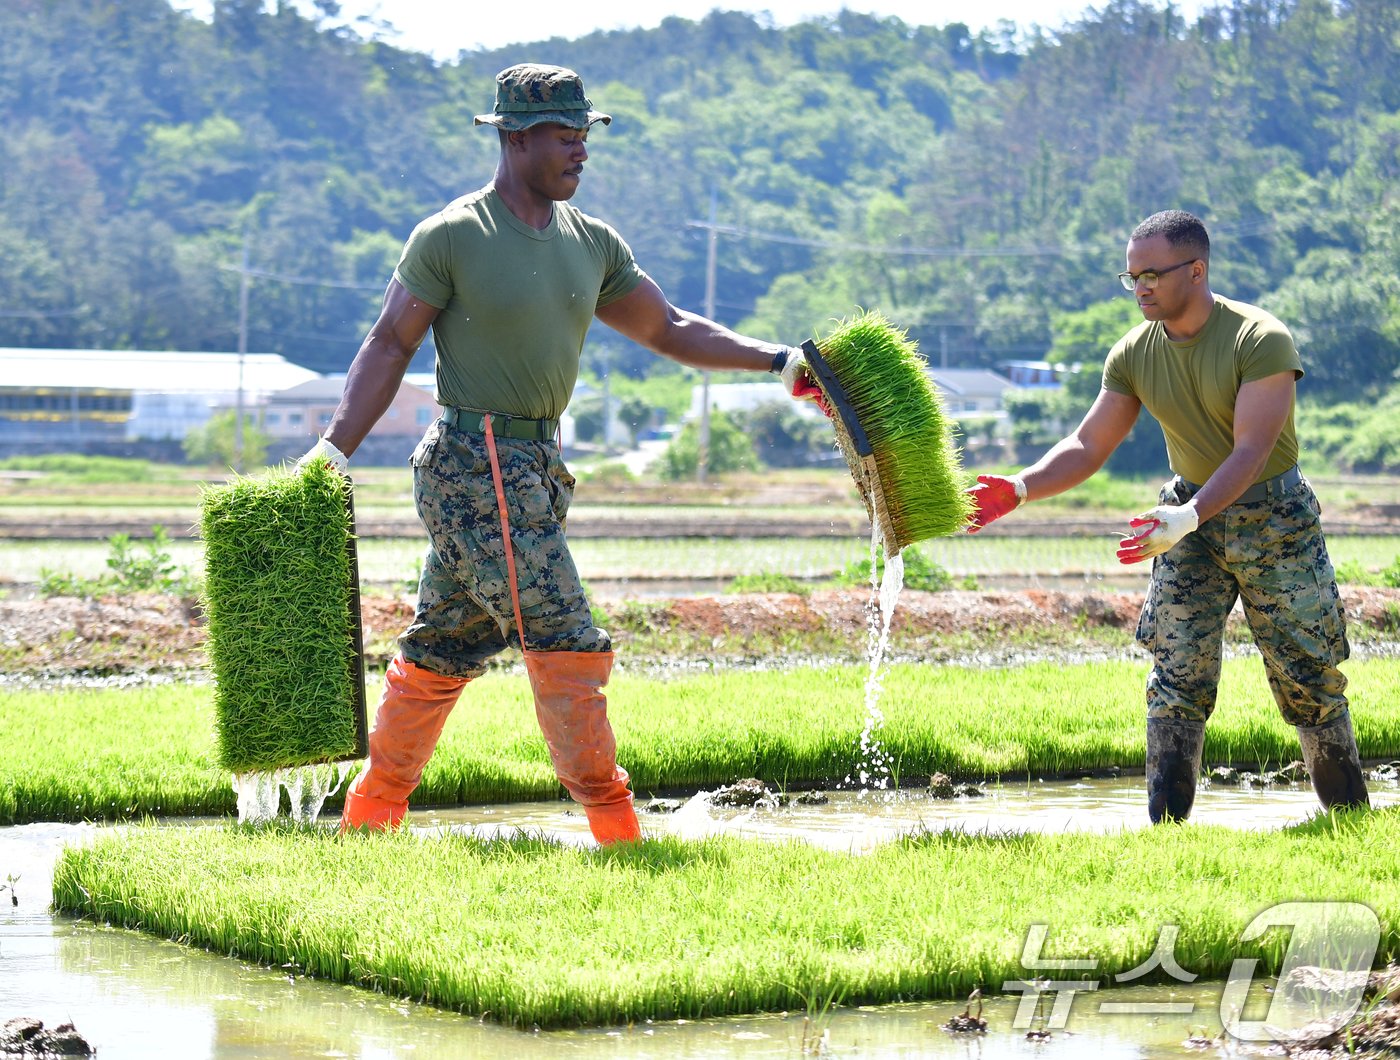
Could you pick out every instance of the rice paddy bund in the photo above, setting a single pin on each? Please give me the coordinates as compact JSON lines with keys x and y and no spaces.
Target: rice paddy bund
{"x":84,"y":754}
{"x":528,"y":932}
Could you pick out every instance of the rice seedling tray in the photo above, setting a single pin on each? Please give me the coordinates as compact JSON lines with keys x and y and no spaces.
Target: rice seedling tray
{"x":285,"y":643}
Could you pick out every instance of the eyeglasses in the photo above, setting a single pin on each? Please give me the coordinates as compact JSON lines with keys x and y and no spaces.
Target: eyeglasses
{"x":1149,"y":278}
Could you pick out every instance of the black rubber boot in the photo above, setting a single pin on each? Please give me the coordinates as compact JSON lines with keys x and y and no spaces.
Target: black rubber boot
{"x":1329,"y":751}
{"x":1173,"y":767}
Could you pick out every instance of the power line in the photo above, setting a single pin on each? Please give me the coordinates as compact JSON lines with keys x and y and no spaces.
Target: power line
{"x":350,"y":338}
{"x":874,"y":248}
{"x":44,"y":314}
{"x":301,"y":281}
{"x":1245,"y":228}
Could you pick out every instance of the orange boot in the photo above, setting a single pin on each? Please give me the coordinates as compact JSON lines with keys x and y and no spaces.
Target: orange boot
{"x":573,"y":715}
{"x":406,"y":729}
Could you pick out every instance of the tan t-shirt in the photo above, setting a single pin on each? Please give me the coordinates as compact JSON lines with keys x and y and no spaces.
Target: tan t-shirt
{"x":516,"y":301}
{"x":1191,"y":386}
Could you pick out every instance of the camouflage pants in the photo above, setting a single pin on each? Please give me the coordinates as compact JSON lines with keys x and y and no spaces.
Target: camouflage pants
{"x":464,"y":615}
{"x":1271,"y":556}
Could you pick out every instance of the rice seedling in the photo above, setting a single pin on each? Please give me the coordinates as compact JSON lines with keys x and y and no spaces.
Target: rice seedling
{"x":389,"y":561}
{"x":132,"y":567}
{"x":283,"y":608}
{"x":530,"y":933}
{"x":899,"y":443}
{"x":79,"y":754}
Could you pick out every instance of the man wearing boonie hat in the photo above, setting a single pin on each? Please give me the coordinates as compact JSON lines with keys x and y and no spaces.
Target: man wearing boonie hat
{"x":509,"y":278}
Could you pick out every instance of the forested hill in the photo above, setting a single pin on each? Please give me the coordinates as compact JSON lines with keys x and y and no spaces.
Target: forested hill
{"x":977,"y":188}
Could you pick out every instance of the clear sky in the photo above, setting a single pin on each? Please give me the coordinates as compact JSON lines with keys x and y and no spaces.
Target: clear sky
{"x":445,"y":27}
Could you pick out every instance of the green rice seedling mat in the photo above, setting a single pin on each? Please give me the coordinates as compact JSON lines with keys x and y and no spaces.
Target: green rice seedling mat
{"x":75,"y":754}
{"x":285,"y":643}
{"x":892,"y":430}
{"x":533,"y":933}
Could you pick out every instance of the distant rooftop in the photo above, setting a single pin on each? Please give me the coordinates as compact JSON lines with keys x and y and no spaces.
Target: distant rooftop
{"x":330,"y":387}
{"x":969,"y":380}
{"x":164,"y":371}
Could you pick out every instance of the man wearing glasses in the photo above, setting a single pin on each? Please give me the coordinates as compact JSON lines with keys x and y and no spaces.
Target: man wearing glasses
{"x":1237,"y":522}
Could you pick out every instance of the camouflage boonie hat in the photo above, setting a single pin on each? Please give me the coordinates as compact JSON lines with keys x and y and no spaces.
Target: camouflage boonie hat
{"x":529,"y":94}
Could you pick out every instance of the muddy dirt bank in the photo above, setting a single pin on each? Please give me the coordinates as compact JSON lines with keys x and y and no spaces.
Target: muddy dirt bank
{"x":152,"y":633}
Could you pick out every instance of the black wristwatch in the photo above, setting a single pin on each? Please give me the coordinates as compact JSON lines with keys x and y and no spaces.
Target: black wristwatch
{"x":779,"y":361}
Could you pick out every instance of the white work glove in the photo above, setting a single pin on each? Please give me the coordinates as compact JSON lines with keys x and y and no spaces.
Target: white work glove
{"x":1166,"y":525}
{"x":799,"y":381}
{"x":324,"y":450}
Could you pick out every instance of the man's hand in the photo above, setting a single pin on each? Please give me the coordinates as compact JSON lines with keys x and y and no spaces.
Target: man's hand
{"x":1165,"y":526}
{"x":324,"y":450}
{"x":993,"y":497}
{"x":797,"y":380}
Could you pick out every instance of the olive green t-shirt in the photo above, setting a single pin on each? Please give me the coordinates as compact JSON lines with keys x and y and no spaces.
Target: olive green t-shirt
{"x":1191,"y":386}
{"x":516,"y":301}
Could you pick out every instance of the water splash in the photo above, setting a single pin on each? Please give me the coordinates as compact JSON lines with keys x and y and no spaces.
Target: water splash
{"x":693,"y":820}
{"x":308,"y":788}
{"x":873,"y":768}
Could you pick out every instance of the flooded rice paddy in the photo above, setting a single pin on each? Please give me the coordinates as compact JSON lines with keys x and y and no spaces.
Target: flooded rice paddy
{"x":136,"y":996}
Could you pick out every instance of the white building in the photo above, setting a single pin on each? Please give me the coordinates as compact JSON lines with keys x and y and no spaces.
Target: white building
{"x":69,"y":400}
{"x":963,"y":390}
{"x":743,"y":397}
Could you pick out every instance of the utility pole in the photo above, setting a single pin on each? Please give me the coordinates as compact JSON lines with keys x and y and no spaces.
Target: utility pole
{"x":711,"y":254}
{"x":606,"y":357}
{"x":243,"y":282}
{"x":246,"y":273}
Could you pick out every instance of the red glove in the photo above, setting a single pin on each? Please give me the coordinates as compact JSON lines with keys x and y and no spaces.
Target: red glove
{"x":993,"y":497}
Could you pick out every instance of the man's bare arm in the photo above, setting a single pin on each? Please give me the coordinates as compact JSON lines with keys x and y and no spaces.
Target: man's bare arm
{"x":1074,"y":458}
{"x":379,"y":367}
{"x":645,"y":316}
{"x":1261,"y":410}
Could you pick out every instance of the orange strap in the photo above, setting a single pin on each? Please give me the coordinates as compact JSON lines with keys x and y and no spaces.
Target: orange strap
{"x":505,"y":525}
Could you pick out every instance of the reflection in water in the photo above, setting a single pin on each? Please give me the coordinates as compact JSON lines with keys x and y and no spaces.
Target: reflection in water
{"x":134,"y":996}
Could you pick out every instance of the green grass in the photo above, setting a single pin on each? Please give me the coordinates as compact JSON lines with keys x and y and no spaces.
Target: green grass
{"x":385,"y":561}
{"x":171,"y":492}
{"x":903,"y":417}
{"x":120,"y":753}
{"x":530,"y":933}
{"x":279,"y":602}
{"x":766,"y":583}
{"x":87,"y":469}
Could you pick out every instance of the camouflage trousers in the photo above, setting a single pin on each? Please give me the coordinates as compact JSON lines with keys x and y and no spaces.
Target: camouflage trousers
{"x":1271,"y":556}
{"x":464,"y":614}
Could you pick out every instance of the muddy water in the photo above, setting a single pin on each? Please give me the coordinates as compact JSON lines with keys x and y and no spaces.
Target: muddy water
{"x":134,"y":996}
{"x":855,"y":821}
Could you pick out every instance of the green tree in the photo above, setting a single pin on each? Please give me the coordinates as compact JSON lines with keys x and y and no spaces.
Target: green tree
{"x":1341,"y":320}
{"x":730,"y":450}
{"x":784,"y":437}
{"x":971,"y":186}
{"x":1083,"y":340}
{"x":216,"y":442}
